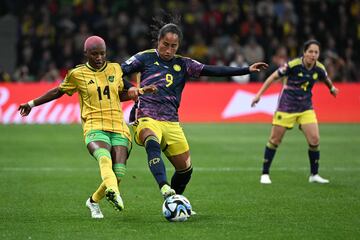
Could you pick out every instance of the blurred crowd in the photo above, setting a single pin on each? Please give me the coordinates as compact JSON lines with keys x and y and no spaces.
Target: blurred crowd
{"x":230,"y":32}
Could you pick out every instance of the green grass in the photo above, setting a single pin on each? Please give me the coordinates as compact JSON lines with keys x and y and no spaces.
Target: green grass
{"x":46,"y":175}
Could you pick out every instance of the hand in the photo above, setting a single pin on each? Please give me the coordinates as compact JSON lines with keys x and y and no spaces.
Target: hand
{"x":24,"y":109}
{"x":334,"y":91}
{"x":133,"y":93}
{"x":255,"y":101}
{"x":257,"y":67}
{"x":148,"y":89}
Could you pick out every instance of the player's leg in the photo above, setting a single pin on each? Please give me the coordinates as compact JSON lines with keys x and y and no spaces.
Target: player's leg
{"x":148,"y":134}
{"x":183,"y":171}
{"x":176,"y":149}
{"x":99,"y":145}
{"x":311,"y":132}
{"x":277,"y":133}
{"x":281,"y":122}
{"x":309,"y":126}
{"x":121,"y":147}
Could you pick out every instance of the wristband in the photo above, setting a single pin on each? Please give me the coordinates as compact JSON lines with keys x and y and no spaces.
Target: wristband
{"x":31,"y":103}
{"x":332,"y":89}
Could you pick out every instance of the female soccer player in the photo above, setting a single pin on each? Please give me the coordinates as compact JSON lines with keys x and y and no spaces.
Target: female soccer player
{"x":295,"y":106}
{"x":155,"y":116}
{"x":100,"y":87}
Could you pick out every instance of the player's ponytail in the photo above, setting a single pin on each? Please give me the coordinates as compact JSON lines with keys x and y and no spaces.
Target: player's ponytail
{"x":164,"y":24}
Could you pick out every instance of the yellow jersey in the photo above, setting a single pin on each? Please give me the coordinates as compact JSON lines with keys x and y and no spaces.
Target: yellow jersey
{"x":98,"y":91}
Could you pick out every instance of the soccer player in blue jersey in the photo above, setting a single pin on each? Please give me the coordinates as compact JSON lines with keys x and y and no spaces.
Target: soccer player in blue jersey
{"x":295,"y":106}
{"x":155,"y":117}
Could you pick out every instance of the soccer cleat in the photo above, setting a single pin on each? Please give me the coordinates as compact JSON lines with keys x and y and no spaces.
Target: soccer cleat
{"x":94,"y":209}
{"x":167,"y":191}
{"x":317,"y":179}
{"x":265,"y":179}
{"x":192,"y":213}
{"x":114,"y":199}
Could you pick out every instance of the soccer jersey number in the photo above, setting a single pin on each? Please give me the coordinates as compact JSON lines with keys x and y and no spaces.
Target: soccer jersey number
{"x":169,"y":78}
{"x":105,"y":92}
{"x":304,"y":86}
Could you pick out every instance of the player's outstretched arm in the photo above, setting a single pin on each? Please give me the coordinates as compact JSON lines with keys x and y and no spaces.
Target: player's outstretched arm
{"x":258,"y":66}
{"x":273,"y":77}
{"x":52,"y":94}
{"x":220,"y":71}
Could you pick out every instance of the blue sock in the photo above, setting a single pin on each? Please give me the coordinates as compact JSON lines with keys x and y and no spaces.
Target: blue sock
{"x":269,"y":154}
{"x":314,"y":157}
{"x":156,"y":164}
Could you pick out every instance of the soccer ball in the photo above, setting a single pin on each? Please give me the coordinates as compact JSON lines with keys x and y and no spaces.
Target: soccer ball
{"x":176,"y":208}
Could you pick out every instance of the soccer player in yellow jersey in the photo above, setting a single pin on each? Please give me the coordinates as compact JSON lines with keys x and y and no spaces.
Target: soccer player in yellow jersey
{"x":100,"y":88}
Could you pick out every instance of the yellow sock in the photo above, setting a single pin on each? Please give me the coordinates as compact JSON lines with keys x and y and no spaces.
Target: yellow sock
{"x":107,"y":174}
{"x":100,"y":193}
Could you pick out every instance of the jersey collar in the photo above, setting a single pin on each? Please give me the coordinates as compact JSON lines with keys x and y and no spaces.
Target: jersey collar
{"x":94,"y":69}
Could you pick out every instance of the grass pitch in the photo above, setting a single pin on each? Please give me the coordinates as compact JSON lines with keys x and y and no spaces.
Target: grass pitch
{"x":46,"y":175}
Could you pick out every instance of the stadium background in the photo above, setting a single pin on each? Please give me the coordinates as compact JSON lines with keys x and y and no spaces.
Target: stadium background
{"x":41,"y":40}
{"x":46,"y":174}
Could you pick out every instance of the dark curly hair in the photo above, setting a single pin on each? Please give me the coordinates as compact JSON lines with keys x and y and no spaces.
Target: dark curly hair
{"x":164,"y":24}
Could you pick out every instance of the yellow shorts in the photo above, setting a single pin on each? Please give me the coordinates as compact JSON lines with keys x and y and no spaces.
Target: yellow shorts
{"x":170,"y":134}
{"x":289,"y":119}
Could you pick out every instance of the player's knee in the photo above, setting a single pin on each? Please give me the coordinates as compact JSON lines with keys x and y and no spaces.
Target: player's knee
{"x":102,"y":153}
{"x":272,"y":145}
{"x":314,"y":148}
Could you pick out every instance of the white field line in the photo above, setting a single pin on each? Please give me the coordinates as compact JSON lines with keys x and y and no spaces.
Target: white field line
{"x":197,"y":169}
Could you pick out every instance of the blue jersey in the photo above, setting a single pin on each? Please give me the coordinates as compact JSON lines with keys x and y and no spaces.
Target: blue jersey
{"x":168,"y":76}
{"x":296,"y":95}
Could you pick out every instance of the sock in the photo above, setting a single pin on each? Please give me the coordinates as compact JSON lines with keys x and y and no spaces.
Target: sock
{"x":99,"y":194}
{"x":314,"y":157}
{"x":120,"y":171}
{"x":180,"y":179}
{"x":108,"y":176}
{"x":269,"y":154}
{"x":156,"y":164}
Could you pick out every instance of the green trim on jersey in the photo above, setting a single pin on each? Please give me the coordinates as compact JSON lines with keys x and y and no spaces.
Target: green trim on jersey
{"x":295,"y":62}
{"x":320,"y":65}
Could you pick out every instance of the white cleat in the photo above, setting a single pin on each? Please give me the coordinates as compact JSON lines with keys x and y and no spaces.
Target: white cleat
{"x":94,"y":209}
{"x":317,"y":179}
{"x":265,"y":179}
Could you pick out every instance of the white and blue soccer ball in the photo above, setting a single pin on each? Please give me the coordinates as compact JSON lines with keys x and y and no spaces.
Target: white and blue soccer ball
{"x":176,"y":208}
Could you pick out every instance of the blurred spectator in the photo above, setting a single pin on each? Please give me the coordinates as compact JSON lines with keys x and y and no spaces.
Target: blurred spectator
{"x":239,"y":61}
{"x":51,"y":32}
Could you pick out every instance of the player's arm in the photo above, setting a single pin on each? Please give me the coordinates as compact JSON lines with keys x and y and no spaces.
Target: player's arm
{"x":272,"y":78}
{"x":130,"y":92}
{"x":333,"y":90}
{"x":219,"y":71}
{"x":52,"y":94}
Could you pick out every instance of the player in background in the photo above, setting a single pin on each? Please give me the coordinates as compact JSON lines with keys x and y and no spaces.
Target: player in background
{"x":155,"y":117}
{"x":295,"y":106}
{"x":100,"y":88}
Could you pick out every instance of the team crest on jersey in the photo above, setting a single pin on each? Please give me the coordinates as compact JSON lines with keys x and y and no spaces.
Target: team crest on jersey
{"x":111,"y":78}
{"x":300,"y":74}
{"x":315,"y":76}
{"x":177,"y":67}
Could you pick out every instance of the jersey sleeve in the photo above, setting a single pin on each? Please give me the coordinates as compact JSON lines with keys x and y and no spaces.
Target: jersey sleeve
{"x":68,"y":85}
{"x":133,"y":64}
{"x":193,"y":67}
{"x":284,"y":70}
